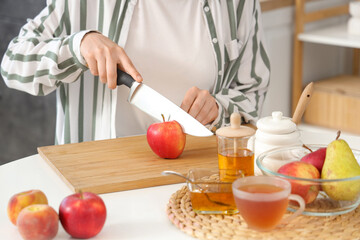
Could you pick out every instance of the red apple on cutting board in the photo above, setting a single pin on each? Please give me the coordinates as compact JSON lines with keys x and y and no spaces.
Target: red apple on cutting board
{"x":82,"y":215}
{"x":316,"y":158}
{"x":38,"y":222}
{"x":23,"y":199}
{"x":167,"y":139}
{"x":300,"y":169}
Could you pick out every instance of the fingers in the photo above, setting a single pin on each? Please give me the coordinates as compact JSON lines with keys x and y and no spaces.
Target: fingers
{"x":201,"y":105}
{"x":197,"y":105}
{"x":103,"y":56}
{"x":92,"y":65}
{"x":129,"y":67}
{"x":208,"y":113}
{"x":111,"y":73}
{"x":101,"y":66}
{"x":189,"y":98}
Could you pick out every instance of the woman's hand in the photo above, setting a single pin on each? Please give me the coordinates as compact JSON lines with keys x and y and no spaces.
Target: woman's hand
{"x":201,"y":105}
{"x":103,"y":57}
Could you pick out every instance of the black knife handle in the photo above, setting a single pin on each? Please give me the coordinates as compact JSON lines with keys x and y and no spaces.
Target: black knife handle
{"x":124,"y":78}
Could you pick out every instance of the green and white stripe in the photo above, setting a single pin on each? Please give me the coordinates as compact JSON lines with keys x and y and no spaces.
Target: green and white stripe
{"x":46,"y":57}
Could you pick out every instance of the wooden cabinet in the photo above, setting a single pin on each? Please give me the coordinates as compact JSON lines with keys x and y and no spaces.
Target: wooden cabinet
{"x":327,"y":91}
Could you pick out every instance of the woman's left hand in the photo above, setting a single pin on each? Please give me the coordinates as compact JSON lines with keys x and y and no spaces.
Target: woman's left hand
{"x":201,"y":105}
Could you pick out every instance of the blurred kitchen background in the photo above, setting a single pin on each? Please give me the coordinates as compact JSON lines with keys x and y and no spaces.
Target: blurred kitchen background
{"x":27,"y":122}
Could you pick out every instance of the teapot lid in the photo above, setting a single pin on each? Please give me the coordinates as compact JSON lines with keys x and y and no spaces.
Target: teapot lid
{"x":276,"y":123}
{"x":235,"y":129}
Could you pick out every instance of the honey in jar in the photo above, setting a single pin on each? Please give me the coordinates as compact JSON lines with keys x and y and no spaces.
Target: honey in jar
{"x":242,"y":160}
{"x":236,"y":146}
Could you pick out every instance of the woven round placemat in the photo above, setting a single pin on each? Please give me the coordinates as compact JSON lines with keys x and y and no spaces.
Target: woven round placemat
{"x":224,"y":227}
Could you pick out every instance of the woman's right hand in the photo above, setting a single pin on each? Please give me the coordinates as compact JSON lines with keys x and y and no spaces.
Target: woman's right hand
{"x":103,"y":57}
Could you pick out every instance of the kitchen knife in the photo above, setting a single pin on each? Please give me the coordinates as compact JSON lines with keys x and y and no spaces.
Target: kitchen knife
{"x":154,"y":104}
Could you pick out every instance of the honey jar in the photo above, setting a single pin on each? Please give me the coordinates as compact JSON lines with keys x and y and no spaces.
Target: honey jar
{"x":236,"y":147}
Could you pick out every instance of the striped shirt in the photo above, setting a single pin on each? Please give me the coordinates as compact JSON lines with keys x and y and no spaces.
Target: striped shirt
{"x":46,"y":57}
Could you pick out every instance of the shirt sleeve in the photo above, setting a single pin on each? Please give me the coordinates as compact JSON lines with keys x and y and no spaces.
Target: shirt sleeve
{"x":246,"y":83}
{"x":44,"y":54}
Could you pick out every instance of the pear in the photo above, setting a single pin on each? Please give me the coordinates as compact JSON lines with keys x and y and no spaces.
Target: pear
{"x":340,"y":162}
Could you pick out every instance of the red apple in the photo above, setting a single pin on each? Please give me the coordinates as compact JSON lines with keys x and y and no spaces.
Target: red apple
{"x":38,"y":222}
{"x":316,"y":158}
{"x":23,"y":199}
{"x":166,"y":139}
{"x":82,"y":214}
{"x":307,"y":190}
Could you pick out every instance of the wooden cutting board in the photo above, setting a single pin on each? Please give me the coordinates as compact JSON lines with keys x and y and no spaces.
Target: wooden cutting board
{"x":124,"y":163}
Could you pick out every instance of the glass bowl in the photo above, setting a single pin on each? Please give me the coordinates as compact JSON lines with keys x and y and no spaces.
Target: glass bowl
{"x":323,"y":205}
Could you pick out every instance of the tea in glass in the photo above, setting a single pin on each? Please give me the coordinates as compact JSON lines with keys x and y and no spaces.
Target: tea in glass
{"x":263,"y":200}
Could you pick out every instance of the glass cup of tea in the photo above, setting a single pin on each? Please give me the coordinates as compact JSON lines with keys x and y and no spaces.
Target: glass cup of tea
{"x":262,"y":201}
{"x":211,"y":190}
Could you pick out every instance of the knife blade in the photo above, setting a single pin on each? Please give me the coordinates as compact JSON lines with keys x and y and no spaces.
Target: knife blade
{"x":155,"y":104}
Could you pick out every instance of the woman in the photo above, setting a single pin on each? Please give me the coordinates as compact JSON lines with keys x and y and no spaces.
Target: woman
{"x":207,"y":56}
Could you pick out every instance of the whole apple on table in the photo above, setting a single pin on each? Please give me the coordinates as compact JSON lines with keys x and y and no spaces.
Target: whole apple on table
{"x":166,"y":139}
{"x":82,"y":215}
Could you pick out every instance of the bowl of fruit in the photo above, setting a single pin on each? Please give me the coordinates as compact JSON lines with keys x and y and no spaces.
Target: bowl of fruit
{"x":327,"y":177}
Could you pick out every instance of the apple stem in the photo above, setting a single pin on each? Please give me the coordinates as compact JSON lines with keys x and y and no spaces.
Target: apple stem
{"x":307,"y":148}
{"x":162,"y":115}
{"x":81,"y":194}
{"x":338,"y":134}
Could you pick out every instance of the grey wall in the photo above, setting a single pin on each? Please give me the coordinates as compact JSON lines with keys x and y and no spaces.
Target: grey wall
{"x":26,"y":121}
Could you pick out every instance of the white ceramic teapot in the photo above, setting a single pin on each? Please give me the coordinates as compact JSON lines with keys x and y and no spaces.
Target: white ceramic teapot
{"x":273,"y":132}
{"x":278,"y":131}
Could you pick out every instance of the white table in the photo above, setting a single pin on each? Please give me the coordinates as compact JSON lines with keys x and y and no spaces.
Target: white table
{"x":135,"y":214}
